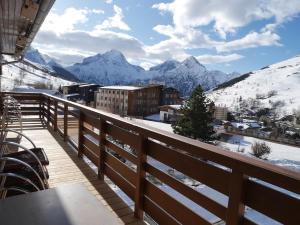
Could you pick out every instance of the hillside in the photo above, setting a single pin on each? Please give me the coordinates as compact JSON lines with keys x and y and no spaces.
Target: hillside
{"x":275,"y":86}
{"x":27,"y":74}
{"x":49,"y":64}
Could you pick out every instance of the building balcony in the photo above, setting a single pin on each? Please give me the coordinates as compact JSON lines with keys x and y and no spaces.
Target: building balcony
{"x":139,"y":173}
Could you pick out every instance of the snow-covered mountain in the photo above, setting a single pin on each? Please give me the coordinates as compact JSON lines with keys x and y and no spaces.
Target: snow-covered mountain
{"x":108,"y":68}
{"x":28,"y":75}
{"x":275,"y":86}
{"x":186,"y":75}
{"x":47,"y":63}
{"x":113,"y":68}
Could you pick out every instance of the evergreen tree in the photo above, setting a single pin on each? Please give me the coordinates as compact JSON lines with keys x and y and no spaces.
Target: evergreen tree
{"x":196,"y":118}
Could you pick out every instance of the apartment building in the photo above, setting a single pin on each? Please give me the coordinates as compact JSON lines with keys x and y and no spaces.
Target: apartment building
{"x":87,"y":93}
{"x":129,"y":100}
{"x":220,"y":112}
{"x":170,"y":96}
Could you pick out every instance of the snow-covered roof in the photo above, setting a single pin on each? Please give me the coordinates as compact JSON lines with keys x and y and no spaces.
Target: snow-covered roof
{"x":176,"y":107}
{"x":153,"y":117}
{"x":31,"y":89}
{"x":87,"y":85}
{"x":72,"y":95}
{"x":117,"y":87}
{"x":240,"y":125}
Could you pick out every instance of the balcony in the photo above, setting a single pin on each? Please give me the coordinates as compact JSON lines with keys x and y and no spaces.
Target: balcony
{"x":104,"y":151}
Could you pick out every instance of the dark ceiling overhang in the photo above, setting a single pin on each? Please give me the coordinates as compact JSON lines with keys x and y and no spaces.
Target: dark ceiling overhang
{"x":20,"y":21}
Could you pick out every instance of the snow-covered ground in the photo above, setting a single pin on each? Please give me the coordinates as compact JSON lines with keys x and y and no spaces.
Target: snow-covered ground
{"x":281,"y":155}
{"x":277,"y":82}
{"x":158,"y":125}
{"x":20,"y":74}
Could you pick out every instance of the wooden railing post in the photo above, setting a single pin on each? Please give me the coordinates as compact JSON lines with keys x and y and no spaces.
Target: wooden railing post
{"x":65,"y":121}
{"x":140,"y":178}
{"x":80,"y":134}
{"x":236,"y":206}
{"x":55,"y":115}
{"x":48,"y":111}
{"x":40,"y":108}
{"x":102,"y":140}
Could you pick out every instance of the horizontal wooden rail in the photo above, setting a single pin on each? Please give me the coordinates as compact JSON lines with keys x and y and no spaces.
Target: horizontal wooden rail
{"x":127,"y":153}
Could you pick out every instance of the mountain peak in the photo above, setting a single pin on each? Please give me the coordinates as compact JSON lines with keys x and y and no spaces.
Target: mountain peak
{"x":114,"y":55}
{"x":165,"y":66}
{"x":192,"y":61}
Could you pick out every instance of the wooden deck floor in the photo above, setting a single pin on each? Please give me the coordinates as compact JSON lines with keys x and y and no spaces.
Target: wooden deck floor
{"x":65,"y":167}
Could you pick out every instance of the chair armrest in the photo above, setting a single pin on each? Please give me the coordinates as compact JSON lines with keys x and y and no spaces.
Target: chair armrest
{"x":20,"y":133}
{"x":4,"y":159}
{"x":30,"y":152}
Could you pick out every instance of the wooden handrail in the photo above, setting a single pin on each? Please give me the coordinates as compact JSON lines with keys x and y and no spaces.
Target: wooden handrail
{"x":225,"y":171}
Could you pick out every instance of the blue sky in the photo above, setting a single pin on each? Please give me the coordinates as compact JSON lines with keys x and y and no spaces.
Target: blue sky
{"x":231,"y":35}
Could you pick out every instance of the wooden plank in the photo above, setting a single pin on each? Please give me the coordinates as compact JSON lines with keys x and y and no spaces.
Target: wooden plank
{"x":91,"y":145}
{"x":210,"y":175}
{"x":65,"y":122}
{"x":197,"y":197}
{"x":90,"y":132}
{"x":102,"y":143}
{"x":80,"y":134}
{"x":157,"y":213}
{"x":123,"y":153}
{"x":285,"y":209}
{"x":74,"y":113}
{"x":236,"y":206}
{"x":48,"y":111}
{"x":121,"y":168}
{"x":122,"y":135}
{"x":93,"y":121}
{"x":140,"y":178}
{"x":125,"y":186}
{"x":175,"y":208}
{"x":90,"y":155}
{"x":55,"y":116}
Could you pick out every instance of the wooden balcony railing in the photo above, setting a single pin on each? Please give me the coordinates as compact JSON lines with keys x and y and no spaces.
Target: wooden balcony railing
{"x":105,"y":139}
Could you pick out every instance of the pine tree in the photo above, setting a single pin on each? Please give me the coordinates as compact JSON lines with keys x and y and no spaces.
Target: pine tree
{"x":195,"y":120}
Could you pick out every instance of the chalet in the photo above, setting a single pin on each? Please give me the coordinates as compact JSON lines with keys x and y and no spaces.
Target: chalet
{"x":169,"y":113}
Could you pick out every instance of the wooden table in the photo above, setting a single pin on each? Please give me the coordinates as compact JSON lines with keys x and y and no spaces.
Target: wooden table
{"x":64,"y":205}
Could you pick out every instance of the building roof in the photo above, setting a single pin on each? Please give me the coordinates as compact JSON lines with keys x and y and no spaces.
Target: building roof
{"x":19,"y":22}
{"x":117,"y":87}
{"x":74,"y":85}
{"x":89,"y":85}
{"x":176,"y":107}
{"x":71,"y":95}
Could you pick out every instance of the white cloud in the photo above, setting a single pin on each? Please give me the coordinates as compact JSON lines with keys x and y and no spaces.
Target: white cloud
{"x":108,"y":1}
{"x":251,"y":40}
{"x":227,"y":16}
{"x":61,"y":23}
{"x":213,"y":59}
{"x":97,"y":11}
{"x":66,"y":21}
{"x":88,"y":43}
{"x":116,"y":21}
